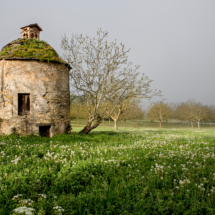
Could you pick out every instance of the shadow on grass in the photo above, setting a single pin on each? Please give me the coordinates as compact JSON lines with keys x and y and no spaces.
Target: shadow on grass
{"x":95,"y":136}
{"x":103,"y":136}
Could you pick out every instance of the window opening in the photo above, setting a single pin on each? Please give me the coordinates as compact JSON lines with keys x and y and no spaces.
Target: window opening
{"x":23,"y":104}
{"x":25,"y":35}
{"x":44,"y":131}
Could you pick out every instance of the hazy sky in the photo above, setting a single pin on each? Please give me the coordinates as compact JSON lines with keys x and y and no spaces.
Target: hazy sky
{"x":172,"y":40}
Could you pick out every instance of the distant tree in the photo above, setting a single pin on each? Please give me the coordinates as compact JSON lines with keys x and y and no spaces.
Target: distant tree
{"x":133,"y":112}
{"x":137,"y":113}
{"x":129,"y":113}
{"x":211,"y":113}
{"x":119,"y":109}
{"x":180,"y":112}
{"x":200,"y":112}
{"x":159,"y":111}
{"x":101,"y":73}
{"x":78,"y":108}
{"x":194,"y":111}
{"x":173,"y":107}
{"x":177,"y":111}
{"x":187,"y":110}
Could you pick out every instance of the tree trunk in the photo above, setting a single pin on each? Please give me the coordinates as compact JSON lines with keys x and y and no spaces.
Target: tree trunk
{"x":198,"y":125}
{"x":115,"y":124}
{"x":109,"y":121}
{"x":124,"y":123}
{"x":89,"y":127}
{"x":103,"y":122}
{"x":77,"y":116}
{"x":188,"y":123}
{"x":192,"y":124}
{"x":160,"y":123}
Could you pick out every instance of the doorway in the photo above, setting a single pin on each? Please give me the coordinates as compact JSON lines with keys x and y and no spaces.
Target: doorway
{"x":44,"y":131}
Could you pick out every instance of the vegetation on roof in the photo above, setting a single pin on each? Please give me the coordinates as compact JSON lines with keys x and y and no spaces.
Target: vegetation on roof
{"x":30,"y":49}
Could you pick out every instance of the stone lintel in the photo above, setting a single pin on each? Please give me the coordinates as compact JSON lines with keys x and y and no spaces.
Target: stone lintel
{"x":45,"y":124}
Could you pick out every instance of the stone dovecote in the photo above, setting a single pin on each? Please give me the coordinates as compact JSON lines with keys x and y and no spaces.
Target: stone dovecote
{"x":34,"y":89}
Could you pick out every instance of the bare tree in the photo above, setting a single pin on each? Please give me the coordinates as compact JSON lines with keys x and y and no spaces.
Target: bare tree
{"x":194,"y":111}
{"x":102,"y":74}
{"x":119,"y":109}
{"x":132,"y":112}
{"x":200,"y":112}
{"x":127,"y":109}
{"x":159,"y":111}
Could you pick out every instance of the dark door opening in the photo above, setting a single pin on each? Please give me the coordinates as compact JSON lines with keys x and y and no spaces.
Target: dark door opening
{"x":44,"y":131}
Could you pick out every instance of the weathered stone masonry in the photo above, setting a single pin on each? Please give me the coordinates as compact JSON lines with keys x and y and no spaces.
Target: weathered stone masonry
{"x":34,"y":86}
{"x":48,"y":86}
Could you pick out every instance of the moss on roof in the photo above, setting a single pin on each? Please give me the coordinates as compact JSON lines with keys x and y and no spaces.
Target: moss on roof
{"x":30,"y":49}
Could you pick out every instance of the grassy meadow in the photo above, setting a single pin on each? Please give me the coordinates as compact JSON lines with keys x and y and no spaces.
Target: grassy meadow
{"x":136,"y":170}
{"x":172,"y":124}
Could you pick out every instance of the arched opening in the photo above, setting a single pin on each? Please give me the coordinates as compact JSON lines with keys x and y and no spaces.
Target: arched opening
{"x":32,"y":35}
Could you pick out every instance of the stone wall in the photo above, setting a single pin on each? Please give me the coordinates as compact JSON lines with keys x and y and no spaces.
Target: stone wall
{"x":48,"y":86}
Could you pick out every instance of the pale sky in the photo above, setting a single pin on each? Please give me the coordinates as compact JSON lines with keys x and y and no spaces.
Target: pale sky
{"x":172,"y":40}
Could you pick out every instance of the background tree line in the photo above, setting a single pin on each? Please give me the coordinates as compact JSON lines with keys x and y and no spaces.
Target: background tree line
{"x":190,"y":111}
{"x":131,"y":111}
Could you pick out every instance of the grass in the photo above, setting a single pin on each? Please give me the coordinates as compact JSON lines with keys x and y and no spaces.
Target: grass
{"x":137,"y":124}
{"x":132,"y":171}
{"x":30,"y":49}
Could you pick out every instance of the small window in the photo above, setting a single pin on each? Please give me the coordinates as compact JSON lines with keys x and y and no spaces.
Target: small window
{"x":23,"y":104}
{"x":25,"y":35}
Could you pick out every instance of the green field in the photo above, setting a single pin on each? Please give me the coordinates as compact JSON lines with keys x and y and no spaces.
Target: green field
{"x":131,"y":171}
{"x":175,"y":124}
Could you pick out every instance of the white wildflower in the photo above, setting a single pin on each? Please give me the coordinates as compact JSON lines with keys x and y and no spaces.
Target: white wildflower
{"x":26,"y":210}
{"x":42,"y":195}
